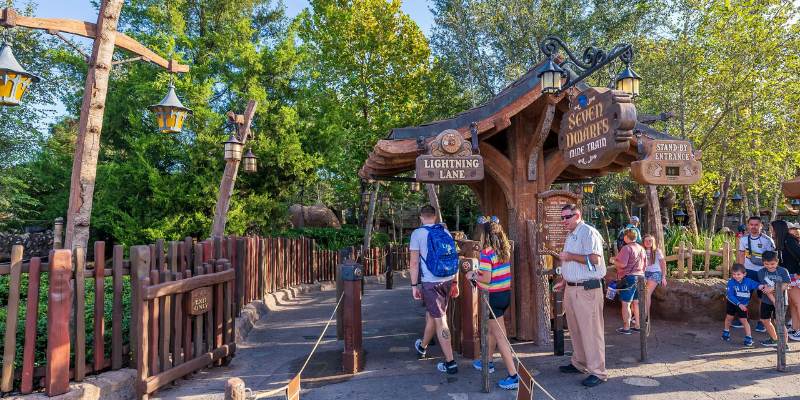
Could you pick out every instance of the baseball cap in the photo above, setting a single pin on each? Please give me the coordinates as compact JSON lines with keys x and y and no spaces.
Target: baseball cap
{"x":635,"y":218}
{"x":792,"y":225}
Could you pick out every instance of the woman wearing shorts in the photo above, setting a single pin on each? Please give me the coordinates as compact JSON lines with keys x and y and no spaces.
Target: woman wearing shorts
{"x":655,"y":272}
{"x":494,"y":275}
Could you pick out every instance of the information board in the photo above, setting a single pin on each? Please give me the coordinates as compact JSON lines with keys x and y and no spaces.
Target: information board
{"x":552,"y":232}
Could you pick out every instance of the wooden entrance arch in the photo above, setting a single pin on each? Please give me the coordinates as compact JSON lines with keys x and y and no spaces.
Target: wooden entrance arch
{"x":518,"y":138}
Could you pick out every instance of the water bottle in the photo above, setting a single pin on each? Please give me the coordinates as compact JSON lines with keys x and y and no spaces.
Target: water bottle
{"x":611,"y":293}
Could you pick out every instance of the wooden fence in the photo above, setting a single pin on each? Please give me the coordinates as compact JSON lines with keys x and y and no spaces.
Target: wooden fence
{"x":684,"y":255}
{"x":72,"y":282}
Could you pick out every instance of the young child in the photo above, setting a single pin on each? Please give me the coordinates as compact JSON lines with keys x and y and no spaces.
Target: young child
{"x":738,"y":295}
{"x":768,"y":277}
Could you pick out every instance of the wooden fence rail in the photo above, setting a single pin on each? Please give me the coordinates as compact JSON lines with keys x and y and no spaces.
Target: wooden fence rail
{"x":684,"y":256}
{"x":74,"y":288}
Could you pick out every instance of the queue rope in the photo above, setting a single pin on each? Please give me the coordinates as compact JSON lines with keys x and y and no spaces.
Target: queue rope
{"x":516,"y":357}
{"x":252,"y":395}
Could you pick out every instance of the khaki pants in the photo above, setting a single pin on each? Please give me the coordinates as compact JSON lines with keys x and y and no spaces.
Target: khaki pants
{"x":584,"y":311}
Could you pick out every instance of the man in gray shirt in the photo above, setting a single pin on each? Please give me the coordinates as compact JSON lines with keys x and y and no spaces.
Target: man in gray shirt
{"x":582,"y":267}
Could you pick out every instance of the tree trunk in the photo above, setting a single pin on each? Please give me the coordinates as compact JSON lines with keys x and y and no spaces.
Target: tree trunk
{"x":745,"y":206}
{"x":229,"y":176}
{"x":394,"y":225}
{"x":625,"y":208}
{"x":87,"y":148}
{"x":712,"y":225}
{"x":756,"y":197}
{"x":373,"y":197}
{"x":690,"y":210}
{"x":433,"y":198}
{"x":458,"y":217}
{"x":726,"y":188}
{"x":654,"y":211}
{"x":775,"y":200}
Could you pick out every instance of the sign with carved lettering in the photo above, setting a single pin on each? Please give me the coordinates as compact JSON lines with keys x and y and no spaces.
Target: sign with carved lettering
{"x":552,"y":233}
{"x":668,"y":162}
{"x":791,"y":188}
{"x":450,"y":159}
{"x":598,"y":126}
{"x":199,"y":301}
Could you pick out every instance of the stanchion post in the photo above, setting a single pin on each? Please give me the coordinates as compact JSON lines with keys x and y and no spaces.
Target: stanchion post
{"x":780,"y":324}
{"x":234,"y":389}
{"x":558,"y":325}
{"x":344,"y":254}
{"x":644,"y":319}
{"x":353,"y":356}
{"x":389,"y":259}
{"x":485,"y":356}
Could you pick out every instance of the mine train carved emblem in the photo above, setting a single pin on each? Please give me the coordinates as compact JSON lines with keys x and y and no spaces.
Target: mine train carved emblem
{"x":449,"y":158}
{"x":668,"y":162}
{"x":598,"y":127}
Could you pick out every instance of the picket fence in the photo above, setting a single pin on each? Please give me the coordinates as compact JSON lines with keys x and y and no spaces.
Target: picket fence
{"x":164,"y":341}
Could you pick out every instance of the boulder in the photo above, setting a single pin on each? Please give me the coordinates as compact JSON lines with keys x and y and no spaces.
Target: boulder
{"x":690,"y":299}
{"x":316,"y":216}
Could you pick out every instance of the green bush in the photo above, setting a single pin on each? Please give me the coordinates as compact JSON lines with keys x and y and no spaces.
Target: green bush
{"x":335,"y":239}
{"x":677,"y":234}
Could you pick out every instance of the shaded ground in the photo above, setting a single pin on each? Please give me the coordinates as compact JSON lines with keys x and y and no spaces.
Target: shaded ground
{"x":686,"y":362}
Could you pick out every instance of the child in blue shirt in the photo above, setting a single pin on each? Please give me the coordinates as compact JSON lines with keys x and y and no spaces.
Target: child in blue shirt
{"x":737,"y":298}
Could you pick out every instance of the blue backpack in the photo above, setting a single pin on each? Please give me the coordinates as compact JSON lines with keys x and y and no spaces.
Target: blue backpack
{"x":442,"y":258}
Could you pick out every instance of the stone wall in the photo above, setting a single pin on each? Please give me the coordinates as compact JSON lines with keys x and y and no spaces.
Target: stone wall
{"x":36,"y":244}
{"x":690,"y":299}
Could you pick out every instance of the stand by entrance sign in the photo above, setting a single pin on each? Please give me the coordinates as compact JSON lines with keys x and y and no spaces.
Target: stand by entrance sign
{"x":598,"y":126}
{"x":552,"y":233}
{"x":668,"y":162}
{"x":450,"y":159}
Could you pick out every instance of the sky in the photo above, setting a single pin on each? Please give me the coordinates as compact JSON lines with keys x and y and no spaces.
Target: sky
{"x":84,"y":11}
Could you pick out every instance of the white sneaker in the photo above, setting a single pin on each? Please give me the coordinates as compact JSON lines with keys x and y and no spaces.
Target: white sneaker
{"x":795,"y":336}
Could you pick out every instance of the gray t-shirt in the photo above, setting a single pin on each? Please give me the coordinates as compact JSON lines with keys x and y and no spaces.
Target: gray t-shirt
{"x":770,"y":278}
{"x":419,"y":242}
{"x":583,"y":240}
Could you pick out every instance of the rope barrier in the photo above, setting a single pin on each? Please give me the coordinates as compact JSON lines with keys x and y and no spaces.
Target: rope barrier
{"x":513,"y":352}
{"x":253,"y":395}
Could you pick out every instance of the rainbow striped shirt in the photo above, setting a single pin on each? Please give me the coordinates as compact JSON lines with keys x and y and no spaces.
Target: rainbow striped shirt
{"x":501,"y":271}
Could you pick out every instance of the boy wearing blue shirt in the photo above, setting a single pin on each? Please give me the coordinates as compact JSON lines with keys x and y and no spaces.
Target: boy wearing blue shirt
{"x":737,"y":298}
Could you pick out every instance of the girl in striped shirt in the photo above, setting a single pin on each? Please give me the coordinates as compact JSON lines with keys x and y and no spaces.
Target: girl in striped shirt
{"x":494,"y":275}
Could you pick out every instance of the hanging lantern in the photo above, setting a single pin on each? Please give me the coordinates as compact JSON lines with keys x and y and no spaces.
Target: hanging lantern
{"x":628,"y":81}
{"x":588,"y":187}
{"x":737,"y":198}
{"x":249,"y":162}
{"x":550,"y":76}
{"x":680,"y":216}
{"x":233,"y":149}
{"x":14,"y":80}
{"x":170,"y":113}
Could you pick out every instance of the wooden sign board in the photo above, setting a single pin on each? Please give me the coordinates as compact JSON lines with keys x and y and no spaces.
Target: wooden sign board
{"x":449,"y":160}
{"x":598,"y":126}
{"x":791,"y":188}
{"x":552,"y":233}
{"x":526,"y":386}
{"x":293,"y":388}
{"x":199,"y":301}
{"x":668,"y":162}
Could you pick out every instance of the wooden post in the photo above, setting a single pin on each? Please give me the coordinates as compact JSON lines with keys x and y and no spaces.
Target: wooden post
{"x":726,"y":260}
{"x":59,"y":308}
{"x":140,"y":267}
{"x":644,"y":322}
{"x":87,"y":148}
{"x":58,"y":233}
{"x":655,"y":214}
{"x":485,"y":356}
{"x":353,"y":355}
{"x":542,"y":286}
{"x":344,"y":254}
{"x":780,"y":324}
{"x":31,"y":320}
{"x":707,"y":258}
{"x":433,"y":198}
{"x":558,"y":326}
{"x":80,"y":314}
{"x":681,"y":260}
{"x":99,"y":305}
{"x":235,"y":389}
{"x":231,"y":170}
{"x":10,"y":341}
{"x":468,"y":298}
{"x":690,"y":261}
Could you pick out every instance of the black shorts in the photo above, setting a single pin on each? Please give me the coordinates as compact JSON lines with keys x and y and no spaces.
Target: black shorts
{"x":767,"y":310}
{"x":499,"y":302}
{"x":733,"y":309}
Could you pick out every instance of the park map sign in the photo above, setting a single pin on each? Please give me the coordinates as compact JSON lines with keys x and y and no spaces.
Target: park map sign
{"x":450,"y":159}
{"x":598,"y":126}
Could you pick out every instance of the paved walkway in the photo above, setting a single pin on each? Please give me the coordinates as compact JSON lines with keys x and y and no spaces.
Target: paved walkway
{"x":686,"y":362}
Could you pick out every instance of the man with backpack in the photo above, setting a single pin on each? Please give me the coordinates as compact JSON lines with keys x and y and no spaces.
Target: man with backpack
{"x":434,"y":265}
{"x":633,"y":223}
{"x":751,"y":247}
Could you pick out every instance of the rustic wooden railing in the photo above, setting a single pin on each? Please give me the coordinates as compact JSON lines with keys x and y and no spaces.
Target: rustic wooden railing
{"x":259,"y":265}
{"x":684,"y":255}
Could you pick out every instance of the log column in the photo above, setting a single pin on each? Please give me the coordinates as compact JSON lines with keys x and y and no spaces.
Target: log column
{"x":468,"y":300}
{"x":353,"y":356}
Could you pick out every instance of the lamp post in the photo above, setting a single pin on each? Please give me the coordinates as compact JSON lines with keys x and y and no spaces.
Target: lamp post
{"x":737,"y":201}
{"x":588,"y":189}
{"x":593,"y":59}
{"x":233,"y":157}
{"x":680,"y":216}
{"x":90,"y":125}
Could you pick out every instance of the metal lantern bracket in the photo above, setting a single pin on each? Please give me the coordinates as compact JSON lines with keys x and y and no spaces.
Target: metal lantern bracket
{"x":592,"y":60}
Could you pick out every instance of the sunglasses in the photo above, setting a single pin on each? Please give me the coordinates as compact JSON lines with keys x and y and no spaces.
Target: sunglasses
{"x":566,"y":217}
